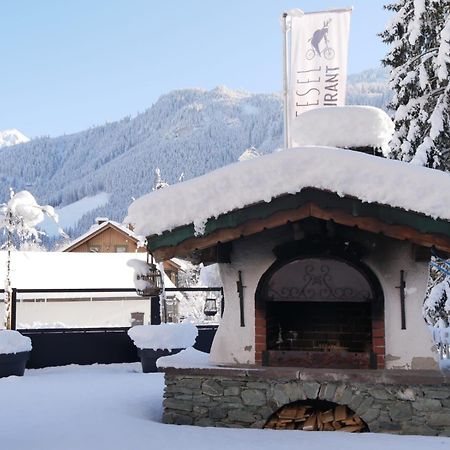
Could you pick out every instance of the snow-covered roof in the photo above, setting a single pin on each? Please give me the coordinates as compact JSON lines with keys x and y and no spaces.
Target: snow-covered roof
{"x":58,"y":270}
{"x":344,"y":126}
{"x":344,"y":172}
{"x":181,"y":263}
{"x":95,"y":229}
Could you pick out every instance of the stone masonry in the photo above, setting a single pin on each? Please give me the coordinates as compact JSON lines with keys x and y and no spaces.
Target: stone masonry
{"x":400,"y":402}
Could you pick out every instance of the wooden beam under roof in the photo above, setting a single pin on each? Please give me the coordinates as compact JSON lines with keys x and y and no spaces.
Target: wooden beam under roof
{"x":198,"y":244}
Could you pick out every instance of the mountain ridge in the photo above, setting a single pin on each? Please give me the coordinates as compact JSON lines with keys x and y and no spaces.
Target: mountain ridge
{"x":190,"y":131}
{"x":11,"y":137}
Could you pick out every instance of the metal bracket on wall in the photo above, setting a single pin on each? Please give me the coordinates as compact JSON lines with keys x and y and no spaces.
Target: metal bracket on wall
{"x":240,"y":290}
{"x":402,"y":299}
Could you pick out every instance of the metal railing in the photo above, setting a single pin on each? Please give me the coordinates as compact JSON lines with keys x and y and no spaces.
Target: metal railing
{"x":99,"y":344}
{"x":16,"y":291}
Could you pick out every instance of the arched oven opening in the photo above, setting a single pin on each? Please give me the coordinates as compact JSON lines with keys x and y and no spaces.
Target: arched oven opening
{"x":320,"y":311}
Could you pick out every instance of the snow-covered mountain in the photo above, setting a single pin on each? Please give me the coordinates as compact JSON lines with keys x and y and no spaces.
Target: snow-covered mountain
{"x":190,"y":131}
{"x":369,"y":88}
{"x":12,"y":137}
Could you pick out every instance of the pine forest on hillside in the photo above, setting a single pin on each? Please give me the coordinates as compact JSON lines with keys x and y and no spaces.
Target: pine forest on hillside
{"x":187,"y":132}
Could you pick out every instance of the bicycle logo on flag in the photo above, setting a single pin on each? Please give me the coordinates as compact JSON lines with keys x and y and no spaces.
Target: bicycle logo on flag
{"x":320,"y":35}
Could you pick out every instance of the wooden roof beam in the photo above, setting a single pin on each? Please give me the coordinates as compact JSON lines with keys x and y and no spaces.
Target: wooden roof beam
{"x":251,"y":227}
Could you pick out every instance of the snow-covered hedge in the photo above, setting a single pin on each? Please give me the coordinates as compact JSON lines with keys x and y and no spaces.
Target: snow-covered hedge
{"x":166,"y":336}
{"x":13,"y":342}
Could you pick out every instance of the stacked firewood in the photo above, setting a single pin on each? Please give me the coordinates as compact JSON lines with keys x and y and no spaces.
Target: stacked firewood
{"x":308,"y":418}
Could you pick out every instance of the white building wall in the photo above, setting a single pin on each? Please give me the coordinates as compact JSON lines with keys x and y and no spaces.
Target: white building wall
{"x":83,"y":313}
{"x":234,"y":344}
{"x":408,"y":349}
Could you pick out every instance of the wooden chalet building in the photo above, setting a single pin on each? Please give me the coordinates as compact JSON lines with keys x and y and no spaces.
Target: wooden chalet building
{"x":108,"y":236}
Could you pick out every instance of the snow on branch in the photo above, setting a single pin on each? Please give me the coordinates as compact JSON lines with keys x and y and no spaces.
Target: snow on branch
{"x":22,"y":213}
{"x":19,"y":217}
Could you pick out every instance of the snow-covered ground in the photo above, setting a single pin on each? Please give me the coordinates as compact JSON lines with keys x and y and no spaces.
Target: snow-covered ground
{"x":118,"y":407}
{"x":70,"y":214}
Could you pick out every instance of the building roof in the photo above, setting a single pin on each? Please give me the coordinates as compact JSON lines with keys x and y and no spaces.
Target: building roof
{"x":58,"y":270}
{"x":398,"y":199}
{"x":97,"y":229}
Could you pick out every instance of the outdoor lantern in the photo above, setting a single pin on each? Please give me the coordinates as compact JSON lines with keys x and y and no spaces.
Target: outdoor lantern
{"x":150,"y":283}
{"x":210,"y":308}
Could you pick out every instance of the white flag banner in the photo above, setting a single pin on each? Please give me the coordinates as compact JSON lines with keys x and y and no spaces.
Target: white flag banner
{"x":318,"y":62}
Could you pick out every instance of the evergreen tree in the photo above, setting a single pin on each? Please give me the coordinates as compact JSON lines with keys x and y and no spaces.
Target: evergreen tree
{"x":436,"y":309}
{"x":159,"y":182}
{"x":419,"y":58}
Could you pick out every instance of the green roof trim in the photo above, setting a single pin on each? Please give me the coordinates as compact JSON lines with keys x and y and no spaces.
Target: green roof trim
{"x":326,"y":200}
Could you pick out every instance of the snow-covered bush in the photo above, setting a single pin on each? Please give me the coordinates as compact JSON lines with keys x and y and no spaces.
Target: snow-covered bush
{"x":18,"y":218}
{"x":166,"y":336}
{"x":436,"y":309}
{"x":13,"y":342}
{"x":21,"y":214}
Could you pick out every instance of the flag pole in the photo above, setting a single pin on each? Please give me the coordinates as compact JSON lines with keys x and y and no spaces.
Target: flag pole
{"x":285,"y":82}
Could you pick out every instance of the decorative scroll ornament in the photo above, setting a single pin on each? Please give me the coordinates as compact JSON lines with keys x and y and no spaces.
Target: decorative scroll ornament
{"x":318,"y":280}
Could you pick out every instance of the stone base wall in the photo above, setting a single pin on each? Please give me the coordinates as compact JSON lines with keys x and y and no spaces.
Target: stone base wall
{"x":400,"y":402}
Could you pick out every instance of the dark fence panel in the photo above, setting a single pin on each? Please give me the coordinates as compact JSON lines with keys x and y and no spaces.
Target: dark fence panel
{"x":205,"y":337}
{"x":54,"y":347}
{"x":59,"y":347}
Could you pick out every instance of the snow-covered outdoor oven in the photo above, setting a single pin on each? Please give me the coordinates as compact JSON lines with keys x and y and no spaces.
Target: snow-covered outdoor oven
{"x":323,"y":254}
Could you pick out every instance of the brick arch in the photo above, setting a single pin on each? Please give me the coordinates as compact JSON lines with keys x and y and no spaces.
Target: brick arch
{"x":377,"y":304}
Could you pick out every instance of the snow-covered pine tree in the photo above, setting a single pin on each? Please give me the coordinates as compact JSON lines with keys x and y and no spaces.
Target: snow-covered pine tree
{"x":436,"y":308}
{"x":159,"y":182}
{"x":419,"y":58}
{"x":18,"y":217}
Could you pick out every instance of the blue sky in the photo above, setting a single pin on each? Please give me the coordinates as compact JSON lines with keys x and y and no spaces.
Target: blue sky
{"x":68,"y":65}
